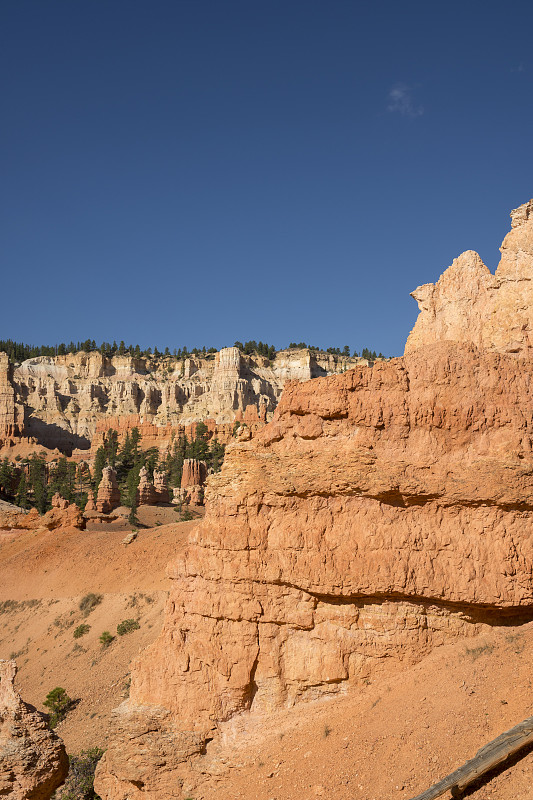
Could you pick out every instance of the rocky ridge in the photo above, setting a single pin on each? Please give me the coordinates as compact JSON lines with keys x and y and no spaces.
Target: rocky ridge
{"x":59,"y":402}
{"x":62,"y":515}
{"x":379,"y":514}
{"x":33,"y":760}
{"x":470,"y":304}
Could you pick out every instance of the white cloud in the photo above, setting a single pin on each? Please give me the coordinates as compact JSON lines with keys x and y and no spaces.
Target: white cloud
{"x":401,"y":101}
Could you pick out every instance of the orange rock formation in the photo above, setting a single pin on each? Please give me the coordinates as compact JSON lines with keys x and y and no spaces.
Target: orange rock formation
{"x":33,"y":761}
{"x":146,"y":494}
{"x":161,"y":488}
{"x":194,"y":473}
{"x":382,"y":512}
{"x":108,"y":496}
{"x":64,"y":515}
{"x":470,"y":304}
{"x":11,"y":414}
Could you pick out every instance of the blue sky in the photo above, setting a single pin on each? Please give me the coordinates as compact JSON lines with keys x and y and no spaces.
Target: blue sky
{"x":189,"y":173}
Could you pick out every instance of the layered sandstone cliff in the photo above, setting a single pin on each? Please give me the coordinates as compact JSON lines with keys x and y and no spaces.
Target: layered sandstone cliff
{"x":62,"y":400}
{"x":470,"y":304}
{"x":381,"y":513}
{"x":33,"y":760}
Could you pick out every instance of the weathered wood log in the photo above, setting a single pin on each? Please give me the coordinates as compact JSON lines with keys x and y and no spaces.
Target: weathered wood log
{"x":487,"y":758}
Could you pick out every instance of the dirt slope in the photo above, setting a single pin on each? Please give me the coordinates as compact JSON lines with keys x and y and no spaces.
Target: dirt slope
{"x":392,"y":739}
{"x":44,"y":575}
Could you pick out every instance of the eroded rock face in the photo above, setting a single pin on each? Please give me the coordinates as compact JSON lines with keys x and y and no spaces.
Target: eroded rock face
{"x":108,"y":496}
{"x":59,"y":502}
{"x":382,"y":512}
{"x":160,"y":486}
{"x":469,"y":304}
{"x":146,"y":494}
{"x":90,"y":505}
{"x":194,"y":473}
{"x":11,"y":414}
{"x":66,"y":515}
{"x":67,"y":398}
{"x":33,"y":761}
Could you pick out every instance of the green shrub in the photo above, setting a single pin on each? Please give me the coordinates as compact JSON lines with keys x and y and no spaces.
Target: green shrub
{"x":127,"y":626}
{"x":105,"y":638}
{"x":59,"y":704}
{"x":81,"y":630}
{"x":89,"y":602}
{"x":80,"y":781}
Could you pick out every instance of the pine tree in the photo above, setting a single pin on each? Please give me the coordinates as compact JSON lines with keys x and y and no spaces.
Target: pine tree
{"x":6,"y":477}
{"x":38,"y":483}
{"x":83,"y":483}
{"x":216,"y":455}
{"x":200,"y":448}
{"x":175,"y":468}
{"x":132,"y":516}
{"x":135,"y":439}
{"x":132,"y":485}
{"x":111,"y":447}
{"x":21,"y":496}
{"x":100,"y":461}
{"x":125,"y":458}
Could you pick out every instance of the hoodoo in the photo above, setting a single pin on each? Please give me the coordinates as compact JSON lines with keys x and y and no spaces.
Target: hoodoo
{"x":11,"y":415}
{"x":63,"y":401}
{"x":380,"y":513}
{"x":33,"y":760}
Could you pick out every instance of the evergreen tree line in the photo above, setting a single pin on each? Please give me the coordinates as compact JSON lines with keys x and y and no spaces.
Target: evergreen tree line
{"x":33,"y":483}
{"x":261,"y":348}
{"x":370,"y":355}
{"x":18,"y":351}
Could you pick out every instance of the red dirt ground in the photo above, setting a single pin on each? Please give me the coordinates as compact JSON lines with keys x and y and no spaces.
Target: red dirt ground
{"x":388,"y":740}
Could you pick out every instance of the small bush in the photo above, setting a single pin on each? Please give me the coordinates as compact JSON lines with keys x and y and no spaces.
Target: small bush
{"x":476,"y":652}
{"x":80,"y":781}
{"x":187,"y":516}
{"x":127,"y":626}
{"x":105,"y":638}
{"x":89,"y":602}
{"x":81,"y":630}
{"x":59,"y":704}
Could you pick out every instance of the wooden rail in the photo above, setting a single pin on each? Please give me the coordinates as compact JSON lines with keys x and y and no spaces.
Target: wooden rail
{"x":487,"y":758}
